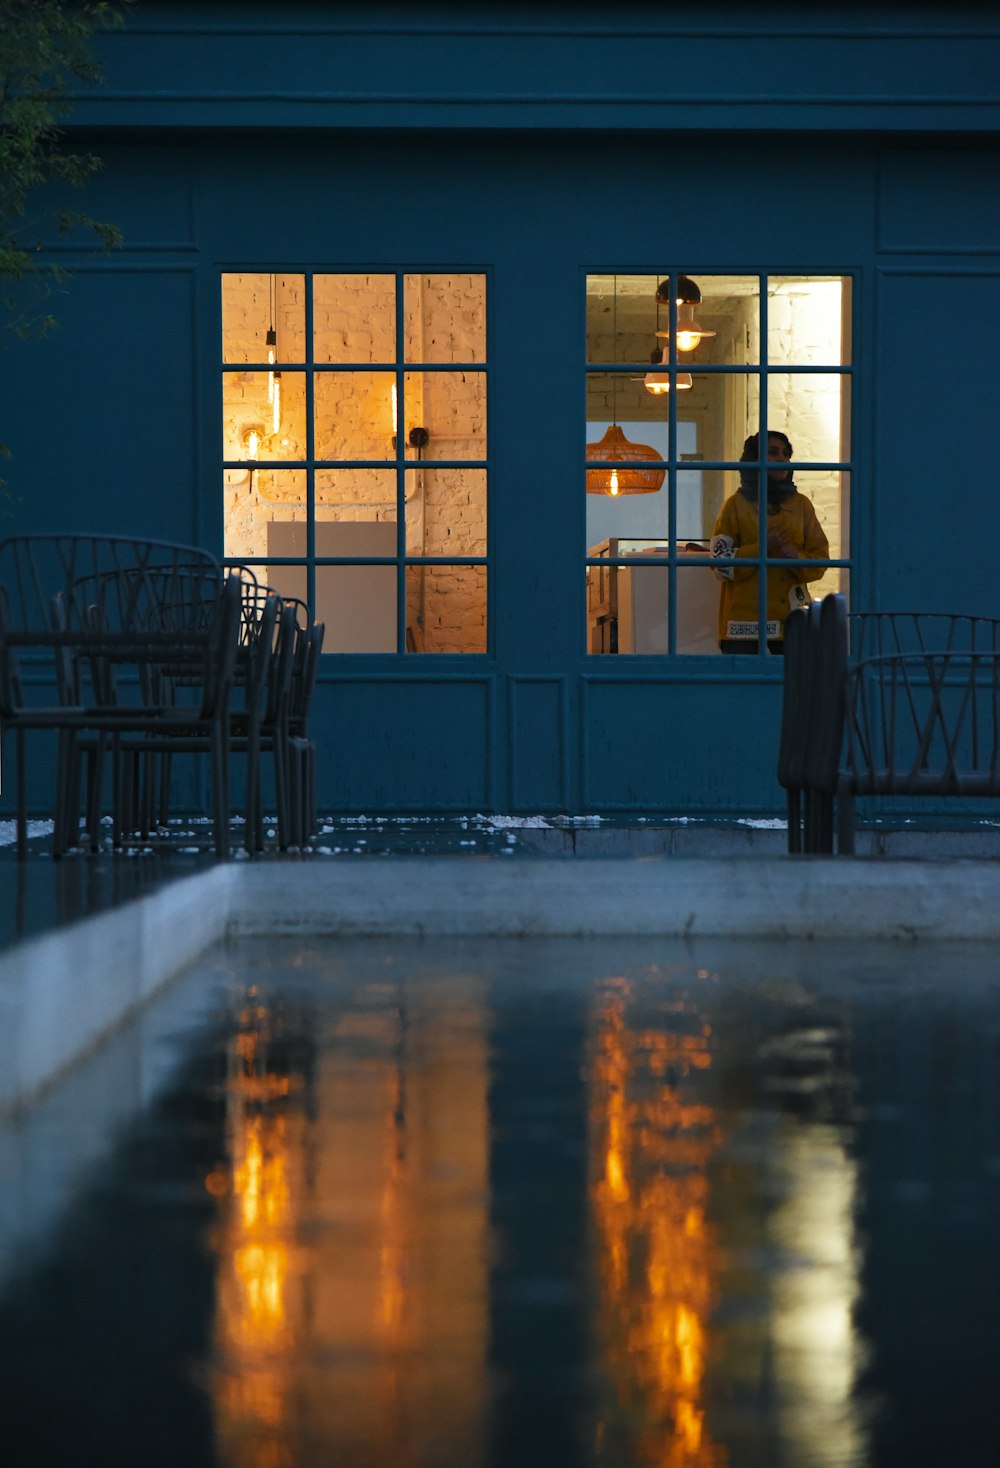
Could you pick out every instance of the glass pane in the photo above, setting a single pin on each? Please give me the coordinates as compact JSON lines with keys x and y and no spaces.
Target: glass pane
{"x":354,"y":318}
{"x":712,"y":417}
{"x":628,"y":604}
{"x":829,"y":492}
{"x":813,"y":410}
{"x":809,"y":320}
{"x":264,"y":415}
{"x":357,"y":604}
{"x":252,"y":500}
{"x":263,"y":318}
{"x":621,"y":317}
{"x":729,"y":309}
{"x":717,"y":318}
{"x":451,"y":407}
{"x":356,"y":494}
{"x":446,"y":608}
{"x":446,"y":512}
{"x":445,"y":318}
{"x":354,"y":415}
{"x":697,"y":609}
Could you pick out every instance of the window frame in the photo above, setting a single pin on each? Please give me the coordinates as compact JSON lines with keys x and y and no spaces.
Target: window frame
{"x":667,"y":564}
{"x":400,"y":463}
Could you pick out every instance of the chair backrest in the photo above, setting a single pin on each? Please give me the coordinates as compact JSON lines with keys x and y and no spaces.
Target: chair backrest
{"x":219,"y":664}
{"x":887,"y":634}
{"x":827,"y":714}
{"x":118,"y":582}
{"x":307,"y":655}
{"x":279,"y":676}
{"x":799,"y":673}
{"x":259,"y":618}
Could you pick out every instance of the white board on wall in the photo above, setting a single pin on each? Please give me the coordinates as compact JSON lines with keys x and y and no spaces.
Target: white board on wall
{"x":357,"y":603}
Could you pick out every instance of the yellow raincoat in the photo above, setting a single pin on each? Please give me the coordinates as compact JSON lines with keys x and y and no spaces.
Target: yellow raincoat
{"x":738,"y":601}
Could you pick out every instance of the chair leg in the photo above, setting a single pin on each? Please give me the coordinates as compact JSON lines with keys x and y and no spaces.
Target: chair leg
{"x":22,"y":816}
{"x":281,"y":789}
{"x":62,"y":833}
{"x":254,"y":831}
{"x":164,"y":811}
{"x":310,"y":820}
{"x":296,"y":794}
{"x":220,"y":789}
{"x":95,"y":782}
{"x":845,"y":821}
{"x":794,"y":823}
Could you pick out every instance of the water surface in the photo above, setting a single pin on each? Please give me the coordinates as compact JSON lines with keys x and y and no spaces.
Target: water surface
{"x":446,"y":1204}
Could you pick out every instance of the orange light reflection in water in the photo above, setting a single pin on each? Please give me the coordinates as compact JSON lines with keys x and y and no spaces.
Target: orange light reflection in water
{"x":257,"y":1328}
{"x":651,"y":1139}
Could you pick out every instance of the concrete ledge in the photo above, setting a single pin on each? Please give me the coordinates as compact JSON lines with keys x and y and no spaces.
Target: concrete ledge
{"x":62,"y":993}
{"x":766,"y":897}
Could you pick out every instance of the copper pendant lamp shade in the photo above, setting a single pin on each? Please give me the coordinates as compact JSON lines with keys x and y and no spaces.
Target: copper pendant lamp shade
{"x":629,"y":478}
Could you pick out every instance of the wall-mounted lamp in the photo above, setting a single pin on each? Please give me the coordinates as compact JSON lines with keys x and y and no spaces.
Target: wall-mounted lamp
{"x":252,"y":436}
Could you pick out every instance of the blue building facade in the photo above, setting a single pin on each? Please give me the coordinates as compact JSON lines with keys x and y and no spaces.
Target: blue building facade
{"x":455,"y":321}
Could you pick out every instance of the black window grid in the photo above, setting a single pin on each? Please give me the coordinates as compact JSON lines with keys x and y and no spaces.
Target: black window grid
{"x":674,"y":465}
{"x":399,"y":367}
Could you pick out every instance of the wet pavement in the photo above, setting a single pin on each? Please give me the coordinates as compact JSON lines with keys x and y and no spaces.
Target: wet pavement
{"x":454,"y":1204}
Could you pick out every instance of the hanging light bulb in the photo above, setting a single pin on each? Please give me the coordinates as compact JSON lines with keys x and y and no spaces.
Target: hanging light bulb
{"x":688,"y":295}
{"x":271,"y":341}
{"x":613,"y":482}
{"x":659,"y":380}
{"x":689,"y":332}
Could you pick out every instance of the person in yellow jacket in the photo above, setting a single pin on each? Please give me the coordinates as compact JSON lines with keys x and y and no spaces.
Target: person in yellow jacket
{"x":793,"y":533}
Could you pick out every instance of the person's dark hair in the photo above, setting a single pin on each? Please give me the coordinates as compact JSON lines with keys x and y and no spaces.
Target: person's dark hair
{"x":751,"y":449}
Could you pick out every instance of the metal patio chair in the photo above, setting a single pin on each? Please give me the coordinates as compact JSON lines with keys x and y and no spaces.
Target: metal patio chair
{"x":884,"y":704}
{"x":922,"y":723}
{"x":102,"y":630}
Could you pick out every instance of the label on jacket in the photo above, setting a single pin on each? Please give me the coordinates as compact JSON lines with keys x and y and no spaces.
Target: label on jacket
{"x":751,"y":629}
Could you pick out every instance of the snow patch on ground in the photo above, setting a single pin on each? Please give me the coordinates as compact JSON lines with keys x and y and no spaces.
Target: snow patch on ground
{"x":8,"y":831}
{"x":510,"y":823}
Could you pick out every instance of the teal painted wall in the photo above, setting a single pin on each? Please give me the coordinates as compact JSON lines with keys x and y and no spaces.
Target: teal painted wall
{"x":114,"y":421}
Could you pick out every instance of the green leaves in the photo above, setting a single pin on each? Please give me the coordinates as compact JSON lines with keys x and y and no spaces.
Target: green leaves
{"x":45,"y":46}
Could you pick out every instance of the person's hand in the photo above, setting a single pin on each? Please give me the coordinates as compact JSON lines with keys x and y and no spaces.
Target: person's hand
{"x":778,"y":544}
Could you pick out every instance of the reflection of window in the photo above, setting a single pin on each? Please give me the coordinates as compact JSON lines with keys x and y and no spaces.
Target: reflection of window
{"x":354,"y":450}
{"x":687,"y":366}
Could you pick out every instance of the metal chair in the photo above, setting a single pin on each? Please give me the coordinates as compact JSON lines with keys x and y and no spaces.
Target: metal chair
{"x":112,"y":667}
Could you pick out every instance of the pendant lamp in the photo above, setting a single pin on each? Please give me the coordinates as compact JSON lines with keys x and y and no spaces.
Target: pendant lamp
{"x":659,"y":380}
{"x":629,"y":478}
{"x":687,"y":295}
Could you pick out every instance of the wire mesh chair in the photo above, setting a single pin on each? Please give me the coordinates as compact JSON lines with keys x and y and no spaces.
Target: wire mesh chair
{"x":108,"y":629}
{"x":885,"y":704}
{"x":920,"y":709}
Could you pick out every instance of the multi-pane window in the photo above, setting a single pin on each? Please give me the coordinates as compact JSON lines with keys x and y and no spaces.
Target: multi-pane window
{"x":354,"y":450}
{"x":703,"y":530}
